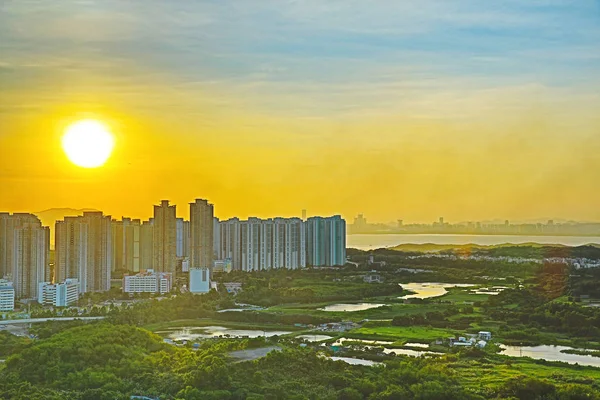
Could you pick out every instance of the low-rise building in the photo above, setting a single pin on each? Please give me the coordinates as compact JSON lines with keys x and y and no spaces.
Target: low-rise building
{"x":484,"y":335}
{"x":7,"y":295}
{"x":222,"y":265}
{"x":59,"y":294}
{"x":233,"y":287}
{"x":148,"y":282}
{"x":199,"y":280}
{"x":373,"y":278}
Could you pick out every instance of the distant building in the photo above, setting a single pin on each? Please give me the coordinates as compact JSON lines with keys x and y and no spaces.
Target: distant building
{"x":24,"y":252}
{"x":201,"y":234}
{"x":164,"y":238}
{"x":7,"y":295}
{"x":146,"y":244}
{"x":183,"y":238}
{"x":199,"y":280}
{"x":222,"y":266}
{"x":126,"y":237}
{"x":233,"y":287}
{"x":326,"y":241}
{"x":484,"y":335}
{"x":59,"y":294}
{"x":84,"y":251}
{"x":373,"y":278}
{"x":148,"y":282}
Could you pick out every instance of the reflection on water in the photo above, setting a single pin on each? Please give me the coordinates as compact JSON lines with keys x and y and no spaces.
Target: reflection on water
{"x":355,"y":361}
{"x":550,"y":353}
{"x":408,"y":352}
{"x":350,"y":307}
{"x":314,"y":338}
{"x":421,"y":345}
{"x":206,"y":332}
{"x":340,"y":341}
{"x":427,"y":290}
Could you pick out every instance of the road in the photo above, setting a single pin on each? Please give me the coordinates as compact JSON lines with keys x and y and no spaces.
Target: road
{"x":34,"y":320}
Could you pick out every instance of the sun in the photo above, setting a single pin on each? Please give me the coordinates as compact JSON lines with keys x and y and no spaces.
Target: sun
{"x":88,"y":143}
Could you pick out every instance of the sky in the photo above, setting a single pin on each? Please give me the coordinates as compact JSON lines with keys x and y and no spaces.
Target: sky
{"x":408,"y":110}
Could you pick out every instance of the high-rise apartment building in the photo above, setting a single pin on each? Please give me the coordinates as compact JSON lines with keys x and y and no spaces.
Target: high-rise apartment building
{"x":84,"y":251}
{"x":201,"y":234}
{"x":24,"y":252}
{"x":146,"y":244}
{"x":183,"y":238}
{"x":164,"y":252}
{"x":326,"y":241}
{"x":259,"y":244}
{"x":126,"y":236}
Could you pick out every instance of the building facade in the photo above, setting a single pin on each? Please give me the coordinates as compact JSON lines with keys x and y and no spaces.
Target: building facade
{"x":183,"y":238}
{"x":326,"y":241}
{"x":261,"y":244}
{"x":61,"y":294}
{"x":24,"y":252}
{"x":146,"y":244}
{"x":199,"y":280}
{"x":84,"y":251}
{"x":164,"y":233}
{"x":201,"y":234}
{"x":126,"y":249}
{"x":7,"y":295}
{"x":148,"y":282}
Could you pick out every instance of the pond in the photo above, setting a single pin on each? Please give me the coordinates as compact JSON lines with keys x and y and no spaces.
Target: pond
{"x":550,"y":353}
{"x":355,"y":361}
{"x":350,"y":307}
{"x":207,"y":332}
{"x":314,"y":338}
{"x":426,"y":290}
{"x":409,"y":352}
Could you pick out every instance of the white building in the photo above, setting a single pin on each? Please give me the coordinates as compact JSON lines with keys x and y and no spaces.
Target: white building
{"x":199,"y":280}
{"x":7,"y":295}
{"x":148,"y":282}
{"x":59,"y":294}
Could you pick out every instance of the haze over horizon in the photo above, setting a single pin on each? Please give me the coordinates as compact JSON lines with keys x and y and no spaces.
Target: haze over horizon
{"x":467,"y":110}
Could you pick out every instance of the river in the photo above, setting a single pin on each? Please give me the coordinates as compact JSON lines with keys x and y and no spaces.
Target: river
{"x":375,"y":241}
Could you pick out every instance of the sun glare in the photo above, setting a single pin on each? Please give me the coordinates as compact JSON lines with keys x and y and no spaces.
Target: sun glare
{"x":88,"y":143}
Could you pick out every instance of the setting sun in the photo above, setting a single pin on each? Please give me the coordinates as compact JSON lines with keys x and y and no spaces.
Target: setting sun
{"x":88,"y":143}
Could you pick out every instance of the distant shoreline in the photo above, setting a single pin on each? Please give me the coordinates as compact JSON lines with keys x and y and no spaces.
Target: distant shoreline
{"x":477,"y":234}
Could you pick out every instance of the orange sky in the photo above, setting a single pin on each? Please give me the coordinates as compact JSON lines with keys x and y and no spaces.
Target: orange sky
{"x":267,"y":112}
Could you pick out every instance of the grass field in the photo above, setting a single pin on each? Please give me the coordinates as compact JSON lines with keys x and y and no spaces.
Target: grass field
{"x":402,"y":333}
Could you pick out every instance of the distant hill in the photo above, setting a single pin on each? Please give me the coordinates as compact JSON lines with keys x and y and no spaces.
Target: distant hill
{"x":50,"y":216}
{"x":434,"y":248}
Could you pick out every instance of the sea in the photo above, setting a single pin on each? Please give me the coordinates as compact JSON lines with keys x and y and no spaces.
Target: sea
{"x":376,"y":241}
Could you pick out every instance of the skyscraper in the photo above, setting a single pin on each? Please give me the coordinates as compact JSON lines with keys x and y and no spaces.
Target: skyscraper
{"x":146,"y":244}
{"x":183,"y":238}
{"x":84,"y":251}
{"x":126,"y":245}
{"x":326,"y":241}
{"x":24,"y":252}
{"x":201,"y":234}
{"x":259,"y":244}
{"x":164,"y":258}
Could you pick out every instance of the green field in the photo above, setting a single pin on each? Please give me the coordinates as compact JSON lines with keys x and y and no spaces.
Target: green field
{"x":402,"y":333}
